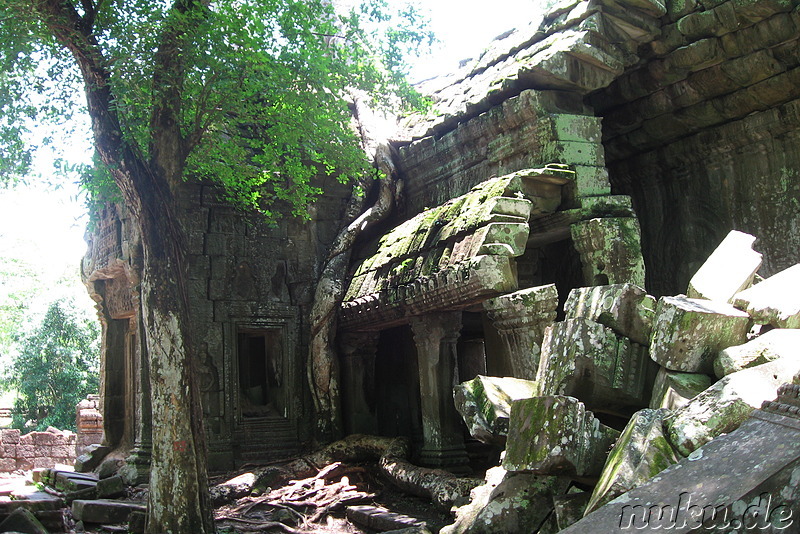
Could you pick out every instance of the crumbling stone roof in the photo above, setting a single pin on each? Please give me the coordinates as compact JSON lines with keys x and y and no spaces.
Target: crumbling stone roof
{"x":452,"y":255}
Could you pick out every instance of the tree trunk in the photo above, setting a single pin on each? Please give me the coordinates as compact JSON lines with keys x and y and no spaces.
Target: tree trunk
{"x":178,"y":501}
{"x":178,"y":498}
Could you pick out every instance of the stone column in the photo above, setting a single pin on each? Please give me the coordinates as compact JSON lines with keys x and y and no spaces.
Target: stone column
{"x":137,"y":465}
{"x":357,"y":357}
{"x":610,"y":251}
{"x":443,"y":441}
{"x":520,"y":318}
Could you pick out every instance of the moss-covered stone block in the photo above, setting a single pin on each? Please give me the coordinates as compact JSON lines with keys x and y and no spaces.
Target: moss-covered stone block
{"x":610,"y":250}
{"x":507,"y":502}
{"x":556,"y":435}
{"x":689,"y":333}
{"x":673,"y":389}
{"x":485,"y":404}
{"x":625,"y":308}
{"x":587,"y":360}
{"x":727,"y":404}
{"x":641,"y":452}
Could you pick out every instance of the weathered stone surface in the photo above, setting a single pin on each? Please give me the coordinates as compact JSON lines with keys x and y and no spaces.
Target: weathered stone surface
{"x":641,"y":452}
{"x":556,"y":435}
{"x":380,"y":519}
{"x":22,"y":521}
{"x":625,"y":308}
{"x":485,"y":404}
{"x":105,"y":511}
{"x":673,"y":389}
{"x":589,"y":361}
{"x":110,"y":487}
{"x":775,"y":301}
{"x":235,"y":488}
{"x":610,"y":251}
{"x":775,"y":344}
{"x":727,"y":403}
{"x":688,"y":333}
{"x":747,"y":489}
{"x":520,"y":318}
{"x":569,"y":508}
{"x":729,"y":269}
{"x":507,"y":502}
{"x":92,"y":457}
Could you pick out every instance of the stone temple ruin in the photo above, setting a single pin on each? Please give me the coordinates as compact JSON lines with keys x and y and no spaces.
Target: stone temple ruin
{"x":606,"y":136}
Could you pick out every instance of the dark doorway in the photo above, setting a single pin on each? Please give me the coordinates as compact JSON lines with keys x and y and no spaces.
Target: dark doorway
{"x":261,"y":381}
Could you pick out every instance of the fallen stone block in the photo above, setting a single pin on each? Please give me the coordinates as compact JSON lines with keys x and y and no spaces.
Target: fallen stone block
{"x":673,"y":389}
{"x":31,"y":499}
{"x":137,"y":522}
{"x":627,"y":309}
{"x":743,"y":481}
{"x":641,"y":452}
{"x":727,"y":403}
{"x":556,"y":435}
{"x":110,"y":487}
{"x":584,"y":359}
{"x":70,"y":481}
{"x":570,"y":508}
{"x":235,"y":488}
{"x":91,"y":458}
{"x":104,"y":511}
{"x":689,"y":333}
{"x":485,"y":404}
{"x":508,"y":502}
{"x":728,"y":270}
{"x":86,"y":493}
{"x":23,"y":521}
{"x":775,"y":344}
{"x":380,"y":519}
{"x":775,"y":301}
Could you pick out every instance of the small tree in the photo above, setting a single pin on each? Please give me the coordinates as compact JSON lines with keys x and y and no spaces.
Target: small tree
{"x":56,"y":368}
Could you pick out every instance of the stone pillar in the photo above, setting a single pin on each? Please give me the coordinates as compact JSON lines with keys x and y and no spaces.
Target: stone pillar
{"x":610,"y":250}
{"x":443,"y":441}
{"x":357,"y":350}
{"x":520,"y":318}
{"x":137,"y":465}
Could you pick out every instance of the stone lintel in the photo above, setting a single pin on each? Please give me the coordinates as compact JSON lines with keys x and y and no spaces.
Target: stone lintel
{"x":451,"y":289}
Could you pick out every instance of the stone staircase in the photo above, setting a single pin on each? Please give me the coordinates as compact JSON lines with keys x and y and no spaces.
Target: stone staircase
{"x":268,"y":438}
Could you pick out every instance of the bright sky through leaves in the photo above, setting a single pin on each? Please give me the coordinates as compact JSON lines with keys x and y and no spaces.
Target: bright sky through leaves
{"x":44,"y":227}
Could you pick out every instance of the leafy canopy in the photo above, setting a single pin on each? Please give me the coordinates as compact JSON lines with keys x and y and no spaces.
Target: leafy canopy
{"x":259,"y":93}
{"x":56,"y":368}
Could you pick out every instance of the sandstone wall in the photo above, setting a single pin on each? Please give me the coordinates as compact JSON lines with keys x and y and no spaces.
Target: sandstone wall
{"x":35,"y":449}
{"x":702,"y":133}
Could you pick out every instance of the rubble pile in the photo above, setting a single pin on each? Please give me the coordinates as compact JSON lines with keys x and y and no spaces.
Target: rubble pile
{"x":628,"y":386}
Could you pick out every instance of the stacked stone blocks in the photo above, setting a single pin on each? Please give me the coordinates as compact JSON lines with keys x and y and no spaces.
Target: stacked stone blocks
{"x":35,"y":449}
